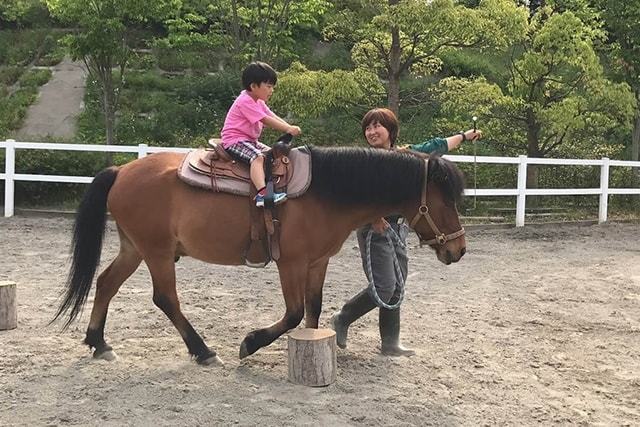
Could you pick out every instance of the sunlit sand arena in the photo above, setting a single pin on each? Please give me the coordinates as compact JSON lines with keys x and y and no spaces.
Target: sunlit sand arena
{"x":533,"y":325}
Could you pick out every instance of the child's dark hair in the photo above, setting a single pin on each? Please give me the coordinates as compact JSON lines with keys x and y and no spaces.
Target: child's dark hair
{"x":386,"y":118}
{"x":258,"y":72}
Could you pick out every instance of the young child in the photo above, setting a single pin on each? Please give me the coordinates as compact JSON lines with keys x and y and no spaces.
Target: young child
{"x":245,"y":120}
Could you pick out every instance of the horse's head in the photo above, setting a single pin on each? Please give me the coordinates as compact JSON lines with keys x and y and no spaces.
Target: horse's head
{"x":435,"y":220}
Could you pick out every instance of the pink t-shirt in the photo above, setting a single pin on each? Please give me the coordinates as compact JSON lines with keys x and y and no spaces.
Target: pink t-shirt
{"x":243,"y":120}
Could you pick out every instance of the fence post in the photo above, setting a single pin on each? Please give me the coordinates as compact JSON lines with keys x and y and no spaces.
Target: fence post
{"x":9,"y":170}
{"x":522,"y":191}
{"x":604,"y":190}
{"x":142,"y":150}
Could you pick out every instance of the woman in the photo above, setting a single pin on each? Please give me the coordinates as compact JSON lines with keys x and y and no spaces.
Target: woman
{"x":380,"y":129}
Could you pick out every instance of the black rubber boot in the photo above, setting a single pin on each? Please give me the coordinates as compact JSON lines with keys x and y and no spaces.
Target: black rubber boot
{"x":355,"y":308}
{"x":389,"y":323}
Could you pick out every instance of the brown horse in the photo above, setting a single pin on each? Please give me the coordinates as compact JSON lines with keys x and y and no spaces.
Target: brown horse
{"x":160,"y":218}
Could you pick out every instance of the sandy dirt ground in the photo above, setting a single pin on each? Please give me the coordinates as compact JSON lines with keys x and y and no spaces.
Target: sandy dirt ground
{"x":535,"y":325}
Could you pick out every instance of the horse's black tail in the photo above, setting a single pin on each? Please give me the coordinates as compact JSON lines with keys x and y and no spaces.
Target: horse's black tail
{"x":86,"y":245}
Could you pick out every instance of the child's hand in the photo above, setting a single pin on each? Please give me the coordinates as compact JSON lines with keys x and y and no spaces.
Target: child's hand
{"x":294,"y":130}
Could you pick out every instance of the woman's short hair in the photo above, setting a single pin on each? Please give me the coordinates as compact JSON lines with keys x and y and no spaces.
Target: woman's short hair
{"x":258,"y":72}
{"x":386,"y":118}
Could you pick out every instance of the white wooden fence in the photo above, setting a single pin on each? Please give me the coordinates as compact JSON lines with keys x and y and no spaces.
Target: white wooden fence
{"x":521,"y":192}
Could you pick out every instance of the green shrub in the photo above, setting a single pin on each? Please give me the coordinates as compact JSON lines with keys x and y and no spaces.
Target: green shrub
{"x":143,"y":102}
{"x":145,"y":81}
{"x":51,"y":59}
{"x":326,"y":56}
{"x":54,"y":162}
{"x":9,"y":75}
{"x":52,"y":51}
{"x":50,"y":162}
{"x":142,"y":38}
{"x":20,"y":47}
{"x":14,"y":108}
{"x":623,"y":177}
{"x":49,"y":44}
{"x":90,"y":126}
{"x":25,"y":14}
{"x":25,"y":95}
{"x":176,"y":59}
{"x":142,"y":61}
{"x":473,"y":62}
{"x":35,"y":78}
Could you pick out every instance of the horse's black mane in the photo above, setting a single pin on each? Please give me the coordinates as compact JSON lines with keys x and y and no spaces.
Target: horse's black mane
{"x":349,"y":175}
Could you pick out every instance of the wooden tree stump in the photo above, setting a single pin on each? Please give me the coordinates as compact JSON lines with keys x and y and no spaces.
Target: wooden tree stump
{"x":8,"y":306}
{"x":312,"y":357}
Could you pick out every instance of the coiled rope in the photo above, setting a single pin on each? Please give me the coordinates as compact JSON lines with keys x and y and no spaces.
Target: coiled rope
{"x":391,"y":236}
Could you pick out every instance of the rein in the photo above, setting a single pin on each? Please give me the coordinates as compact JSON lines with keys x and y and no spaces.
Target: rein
{"x":423,"y":212}
{"x":391,"y":235}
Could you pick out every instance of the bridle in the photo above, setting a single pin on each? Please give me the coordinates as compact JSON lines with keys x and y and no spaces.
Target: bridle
{"x":423,"y":212}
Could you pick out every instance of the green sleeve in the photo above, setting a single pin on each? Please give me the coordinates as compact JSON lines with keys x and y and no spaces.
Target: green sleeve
{"x":434,"y":145}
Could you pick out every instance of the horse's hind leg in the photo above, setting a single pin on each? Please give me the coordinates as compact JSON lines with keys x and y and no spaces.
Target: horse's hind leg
{"x":313,"y":294}
{"x":162,"y":269}
{"x":107,"y":286}
{"x":293,"y":277}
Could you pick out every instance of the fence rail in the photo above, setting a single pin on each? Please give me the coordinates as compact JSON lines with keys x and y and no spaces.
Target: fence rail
{"x":521,"y":192}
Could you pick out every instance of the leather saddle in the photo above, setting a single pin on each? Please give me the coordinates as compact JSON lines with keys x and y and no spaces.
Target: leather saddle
{"x":214,"y":169}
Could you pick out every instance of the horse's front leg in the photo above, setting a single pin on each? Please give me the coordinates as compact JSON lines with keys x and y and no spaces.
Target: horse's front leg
{"x":313,"y":293}
{"x":293,"y":277}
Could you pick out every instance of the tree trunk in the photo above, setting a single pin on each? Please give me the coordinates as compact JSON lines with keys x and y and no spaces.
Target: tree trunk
{"x":532,"y":176}
{"x":109,"y":115}
{"x":635,"y":139}
{"x":393,"y":97}
{"x":8,"y":306}
{"x":312,"y":357}
{"x":534,"y":6}
{"x":235,"y":30}
{"x":533,"y":150}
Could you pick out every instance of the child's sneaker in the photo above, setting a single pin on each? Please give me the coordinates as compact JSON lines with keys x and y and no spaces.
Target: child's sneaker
{"x":277,"y":199}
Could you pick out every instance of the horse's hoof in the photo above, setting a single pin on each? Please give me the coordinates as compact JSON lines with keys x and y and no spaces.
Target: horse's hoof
{"x":243,"y":350}
{"x":108,"y":355}
{"x":212,"y":361}
{"x":250,"y":344}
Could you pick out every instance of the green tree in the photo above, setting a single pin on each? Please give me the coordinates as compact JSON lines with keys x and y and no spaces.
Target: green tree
{"x":103,"y":39}
{"x":396,"y":37}
{"x":23,"y":14}
{"x":306,"y":93}
{"x":622,"y":22}
{"x":556,"y":101}
{"x":13,"y":10}
{"x":265,"y":30}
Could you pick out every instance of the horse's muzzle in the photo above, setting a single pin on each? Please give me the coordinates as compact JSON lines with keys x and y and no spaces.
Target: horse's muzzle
{"x":448,"y":256}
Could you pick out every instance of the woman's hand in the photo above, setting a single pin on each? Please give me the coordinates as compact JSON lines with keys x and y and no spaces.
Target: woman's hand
{"x":472,"y":135}
{"x":380,"y":225}
{"x":454,"y":141}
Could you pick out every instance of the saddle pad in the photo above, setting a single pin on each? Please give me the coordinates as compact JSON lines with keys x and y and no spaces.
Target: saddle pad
{"x":300,"y":181}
